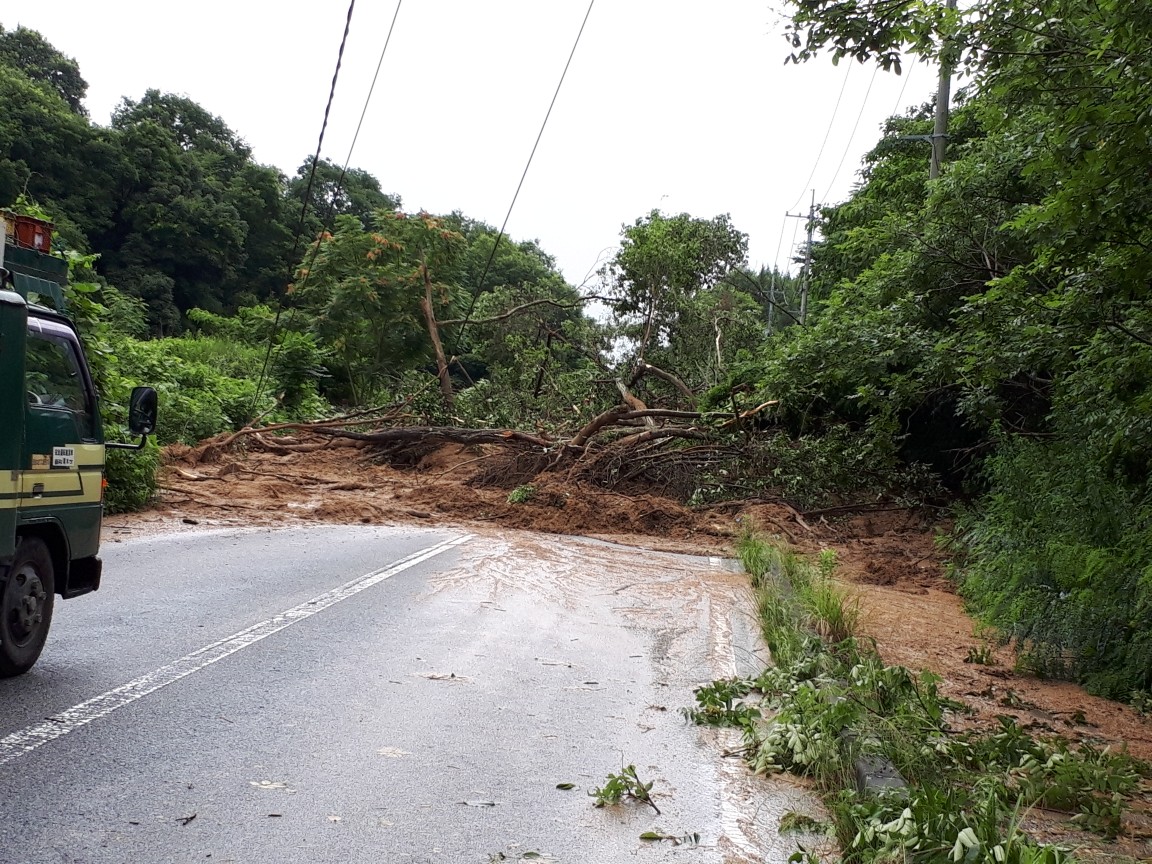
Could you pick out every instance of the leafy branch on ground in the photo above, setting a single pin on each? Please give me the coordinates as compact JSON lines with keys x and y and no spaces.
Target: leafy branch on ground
{"x":692,"y":839}
{"x":718,"y":704}
{"x":522,"y":494}
{"x":625,"y":785}
{"x":800,"y":823}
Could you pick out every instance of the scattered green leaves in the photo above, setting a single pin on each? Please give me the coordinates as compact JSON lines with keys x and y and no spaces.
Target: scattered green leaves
{"x":830,"y":703}
{"x":719,"y":704}
{"x":793,"y":822}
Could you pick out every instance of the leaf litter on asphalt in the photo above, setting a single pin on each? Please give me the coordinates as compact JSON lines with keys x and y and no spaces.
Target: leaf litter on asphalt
{"x":270,"y":784}
{"x":442,"y":676}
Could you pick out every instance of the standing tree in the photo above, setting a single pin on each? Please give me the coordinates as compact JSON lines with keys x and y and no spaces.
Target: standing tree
{"x":31,"y":53}
{"x":376,"y":297}
{"x":656,"y":280}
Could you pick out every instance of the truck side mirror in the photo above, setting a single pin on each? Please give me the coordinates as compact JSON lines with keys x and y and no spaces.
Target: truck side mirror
{"x":142,"y":411}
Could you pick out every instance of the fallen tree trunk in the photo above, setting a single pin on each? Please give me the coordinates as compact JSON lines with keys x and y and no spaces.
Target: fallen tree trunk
{"x":443,"y":434}
{"x":656,"y":434}
{"x":446,"y":392}
{"x":355,"y":430}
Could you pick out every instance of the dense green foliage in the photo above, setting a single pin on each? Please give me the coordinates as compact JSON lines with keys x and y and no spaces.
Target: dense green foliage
{"x":829,"y":705}
{"x":199,"y":272}
{"x":994,"y":323}
{"x":169,"y":196}
{"x":207,"y":383}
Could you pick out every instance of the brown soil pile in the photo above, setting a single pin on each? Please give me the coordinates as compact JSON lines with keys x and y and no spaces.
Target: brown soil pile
{"x":890,"y":558}
{"x":343,"y":483}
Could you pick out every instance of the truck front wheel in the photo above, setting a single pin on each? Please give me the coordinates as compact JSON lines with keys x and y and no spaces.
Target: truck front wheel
{"x":26,"y":594}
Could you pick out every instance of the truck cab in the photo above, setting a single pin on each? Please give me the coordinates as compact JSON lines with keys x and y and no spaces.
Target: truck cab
{"x":52,"y":453}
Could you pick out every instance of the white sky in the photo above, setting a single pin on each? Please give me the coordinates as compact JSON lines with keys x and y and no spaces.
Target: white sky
{"x":669,"y":104}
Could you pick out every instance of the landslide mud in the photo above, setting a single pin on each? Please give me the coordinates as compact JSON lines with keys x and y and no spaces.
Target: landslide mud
{"x":890,"y":559}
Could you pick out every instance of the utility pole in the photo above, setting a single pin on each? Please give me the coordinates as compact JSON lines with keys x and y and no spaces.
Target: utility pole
{"x":806,"y":273}
{"x":943,"y":96}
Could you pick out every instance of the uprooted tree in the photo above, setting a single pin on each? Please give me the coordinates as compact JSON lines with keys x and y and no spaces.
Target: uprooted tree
{"x":521,"y":365}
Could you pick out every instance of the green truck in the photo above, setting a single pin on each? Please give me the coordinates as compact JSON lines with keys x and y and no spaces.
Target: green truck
{"x":51,"y":445}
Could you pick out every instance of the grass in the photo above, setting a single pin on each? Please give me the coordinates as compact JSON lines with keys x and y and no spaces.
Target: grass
{"x":522,"y":494}
{"x":829,"y":699}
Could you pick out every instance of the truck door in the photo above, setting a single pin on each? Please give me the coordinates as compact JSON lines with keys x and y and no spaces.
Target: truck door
{"x":63,"y":452}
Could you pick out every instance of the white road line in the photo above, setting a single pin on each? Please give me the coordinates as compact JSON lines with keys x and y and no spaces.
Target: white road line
{"x":29,"y":738}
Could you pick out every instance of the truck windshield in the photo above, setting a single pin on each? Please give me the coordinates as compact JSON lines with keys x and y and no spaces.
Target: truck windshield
{"x":53,"y":376}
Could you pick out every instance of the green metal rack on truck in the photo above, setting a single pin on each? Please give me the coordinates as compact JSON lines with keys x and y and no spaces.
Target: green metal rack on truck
{"x":52,"y":451}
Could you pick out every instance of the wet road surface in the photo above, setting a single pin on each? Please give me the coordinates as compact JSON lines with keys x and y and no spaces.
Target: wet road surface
{"x":339,"y":694}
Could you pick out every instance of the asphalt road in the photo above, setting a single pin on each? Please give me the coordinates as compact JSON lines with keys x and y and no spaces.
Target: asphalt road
{"x":343,"y":694}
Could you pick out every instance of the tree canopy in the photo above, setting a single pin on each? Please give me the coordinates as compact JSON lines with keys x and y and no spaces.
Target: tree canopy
{"x":994,"y":322}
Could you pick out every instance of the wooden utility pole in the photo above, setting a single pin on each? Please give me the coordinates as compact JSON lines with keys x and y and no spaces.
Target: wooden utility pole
{"x":943,"y":97}
{"x":806,"y":273}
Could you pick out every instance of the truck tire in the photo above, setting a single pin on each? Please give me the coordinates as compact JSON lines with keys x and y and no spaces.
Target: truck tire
{"x":26,"y":595}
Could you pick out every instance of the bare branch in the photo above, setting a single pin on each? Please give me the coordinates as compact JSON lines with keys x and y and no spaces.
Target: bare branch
{"x":516,"y":310}
{"x":645,"y":368}
{"x":608,"y":418}
{"x":1141,"y":339}
{"x":633,"y":403}
{"x":448,"y":434}
{"x":661,"y":412}
{"x":654,"y":434}
{"x":751,"y":412}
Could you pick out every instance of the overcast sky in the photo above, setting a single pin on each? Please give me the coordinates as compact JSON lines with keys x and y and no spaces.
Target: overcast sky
{"x":668,"y":104}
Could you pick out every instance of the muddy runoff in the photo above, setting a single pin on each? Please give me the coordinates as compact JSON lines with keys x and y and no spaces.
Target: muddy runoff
{"x":633,"y":633}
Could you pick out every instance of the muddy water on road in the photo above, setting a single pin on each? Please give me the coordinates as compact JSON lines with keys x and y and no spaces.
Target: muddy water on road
{"x":693,"y":619}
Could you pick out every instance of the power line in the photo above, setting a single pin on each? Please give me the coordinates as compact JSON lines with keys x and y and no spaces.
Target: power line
{"x":904,"y":86}
{"x":312,"y":173}
{"x":795,"y":231}
{"x":855,"y":126}
{"x":304,"y":205}
{"x":539,"y":135}
{"x":823,"y":144}
{"x":328,"y":213}
{"x":323,"y":129}
{"x":368,"y":98}
{"x":779,"y":246}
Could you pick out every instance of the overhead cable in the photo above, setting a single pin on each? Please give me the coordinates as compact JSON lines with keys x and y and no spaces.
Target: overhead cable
{"x":312,"y":173}
{"x":776,"y":261}
{"x":903,"y":87}
{"x":326,"y":221}
{"x":824,"y":143}
{"x":855,"y":126}
{"x":795,"y":232}
{"x":539,"y":135}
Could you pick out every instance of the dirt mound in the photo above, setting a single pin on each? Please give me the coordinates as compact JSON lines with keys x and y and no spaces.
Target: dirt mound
{"x":340,"y":482}
{"x":556,"y":506}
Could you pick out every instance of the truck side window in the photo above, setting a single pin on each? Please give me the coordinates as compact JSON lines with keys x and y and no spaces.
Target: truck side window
{"x":53,"y":378}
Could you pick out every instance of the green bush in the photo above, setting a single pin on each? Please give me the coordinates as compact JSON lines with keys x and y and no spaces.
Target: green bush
{"x":1058,"y":557}
{"x":131,"y":479}
{"x":829,"y":701}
